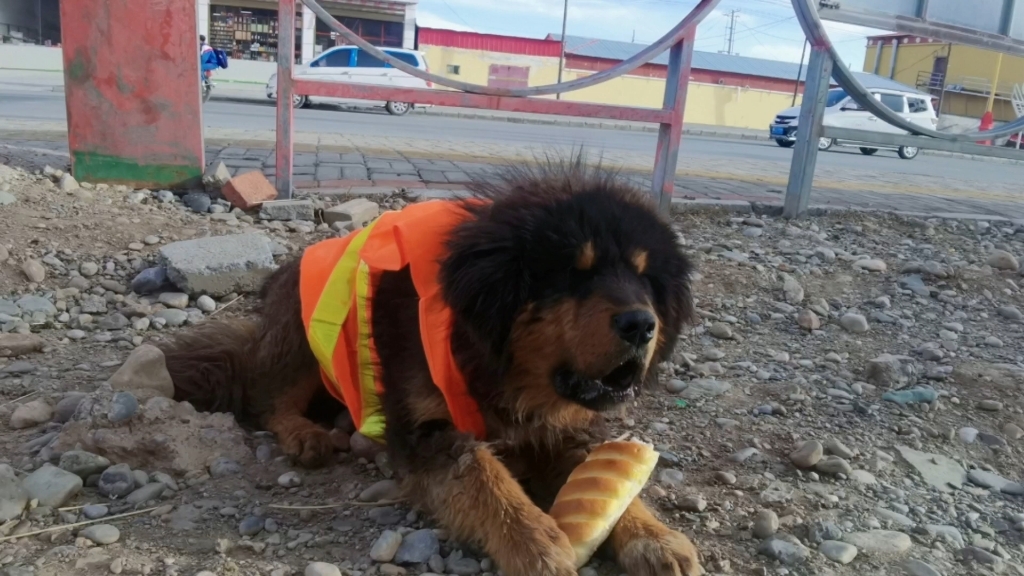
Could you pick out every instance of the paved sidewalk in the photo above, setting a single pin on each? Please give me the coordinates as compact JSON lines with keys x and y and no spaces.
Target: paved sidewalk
{"x":334,"y":163}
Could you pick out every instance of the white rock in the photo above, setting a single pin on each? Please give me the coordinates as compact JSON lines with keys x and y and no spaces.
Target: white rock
{"x":31,"y":414}
{"x":840,"y":552}
{"x":289,"y":479}
{"x":321,"y":569}
{"x":854,"y":323}
{"x":870,"y":265}
{"x":879,"y":542}
{"x":1003,"y":260}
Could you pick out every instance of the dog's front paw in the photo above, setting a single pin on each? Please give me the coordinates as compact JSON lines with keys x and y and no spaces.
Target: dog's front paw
{"x":311,"y":447}
{"x":662,"y":552}
{"x":536,"y":548}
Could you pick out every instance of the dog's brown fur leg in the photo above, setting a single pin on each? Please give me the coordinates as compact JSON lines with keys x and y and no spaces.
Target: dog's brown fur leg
{"x":643,"y":546}
{"x":300,"y":437}
{"x":476,"y":497}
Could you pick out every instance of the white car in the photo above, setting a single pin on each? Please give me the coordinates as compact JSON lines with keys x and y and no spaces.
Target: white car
{"x":351,"y":64}
{"x":841,"y":111}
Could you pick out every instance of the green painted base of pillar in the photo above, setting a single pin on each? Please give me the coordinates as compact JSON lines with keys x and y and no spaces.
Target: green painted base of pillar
{"x":99,"y":168}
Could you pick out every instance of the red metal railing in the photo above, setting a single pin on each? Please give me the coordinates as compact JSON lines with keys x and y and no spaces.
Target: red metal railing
{"x":669,"y":117}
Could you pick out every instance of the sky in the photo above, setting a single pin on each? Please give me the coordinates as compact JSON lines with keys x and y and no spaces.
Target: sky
{"x":764,"y":28}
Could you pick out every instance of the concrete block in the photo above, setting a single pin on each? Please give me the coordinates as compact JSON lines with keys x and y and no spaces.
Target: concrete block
{"x":359,"y":212}
{"x":249,"y":190}
{"x":680,"y":206}
{"x":216,"y":177}
{"x":219,"y":265}
{"x":287,"y":210}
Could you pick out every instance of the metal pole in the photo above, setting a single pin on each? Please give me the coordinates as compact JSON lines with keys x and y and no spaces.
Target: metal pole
{"x":995,"y":83}
{"x":680,"y":58}
{"x":39,"y":12}
{"x":799,"y":72}
{"x":561,"y":54}
{"x":892,"y":59}
{"x":878,"y":57}
{"x":805,"y":153}
{"x":285,"y":92}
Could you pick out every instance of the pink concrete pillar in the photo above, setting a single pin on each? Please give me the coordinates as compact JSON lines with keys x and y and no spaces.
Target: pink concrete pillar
{"x":131,"y":77}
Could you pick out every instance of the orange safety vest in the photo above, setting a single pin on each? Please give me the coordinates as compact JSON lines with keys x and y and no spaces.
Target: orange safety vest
{"x":337,"y":282}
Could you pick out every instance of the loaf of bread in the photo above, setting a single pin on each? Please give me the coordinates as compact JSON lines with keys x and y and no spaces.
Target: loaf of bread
{"x":598,"y":492}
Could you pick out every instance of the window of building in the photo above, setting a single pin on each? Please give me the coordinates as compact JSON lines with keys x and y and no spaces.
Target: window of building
{"x":893,"y":102}
{"x":453,"y":69}
{"x":376,"y":32}
{"x":249,"y":33}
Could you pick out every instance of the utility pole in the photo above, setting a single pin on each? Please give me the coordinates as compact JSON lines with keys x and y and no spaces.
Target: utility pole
{"x":799,"y":72}
{"x":730,"y":37}
{"x":561,"y":56}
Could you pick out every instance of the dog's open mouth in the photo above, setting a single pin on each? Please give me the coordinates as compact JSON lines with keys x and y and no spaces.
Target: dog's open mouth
{"x":613,"y":388}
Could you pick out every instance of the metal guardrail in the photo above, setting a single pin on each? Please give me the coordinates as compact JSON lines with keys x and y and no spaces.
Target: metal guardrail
{"x":887,"y":139}
{"x":809,"y":20}
{"x":679,"y":42}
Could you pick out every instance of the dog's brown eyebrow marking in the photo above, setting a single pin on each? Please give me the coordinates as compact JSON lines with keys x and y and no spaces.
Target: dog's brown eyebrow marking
{"x":640,"y":261}
{"x":585,"y":258}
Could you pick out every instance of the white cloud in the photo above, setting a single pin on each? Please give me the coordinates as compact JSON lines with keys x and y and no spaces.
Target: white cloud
{"x":431,"y":20}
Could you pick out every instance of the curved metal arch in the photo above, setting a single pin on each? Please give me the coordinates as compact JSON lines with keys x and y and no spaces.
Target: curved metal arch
{"x":684,"y":28}
{"x":807,"y":15}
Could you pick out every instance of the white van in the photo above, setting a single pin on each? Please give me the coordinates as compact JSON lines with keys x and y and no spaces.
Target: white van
{"x":841,"y":111}
{"x":351,"y":64}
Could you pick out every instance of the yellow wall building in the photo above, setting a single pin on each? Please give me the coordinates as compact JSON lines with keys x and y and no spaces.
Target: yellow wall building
{"x":962,"y":75}
{"x":719,"y":98}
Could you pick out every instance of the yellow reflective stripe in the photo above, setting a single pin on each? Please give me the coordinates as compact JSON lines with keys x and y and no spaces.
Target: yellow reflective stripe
{"x":372,"y":425}
{"x":332,"y":308}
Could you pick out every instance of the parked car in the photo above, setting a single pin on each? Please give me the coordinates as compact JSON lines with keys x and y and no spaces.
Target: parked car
{"x":841,"y":111}
{"x":351,"y":64}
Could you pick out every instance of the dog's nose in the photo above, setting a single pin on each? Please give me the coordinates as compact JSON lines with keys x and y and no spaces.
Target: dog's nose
{"x":636,"y":326}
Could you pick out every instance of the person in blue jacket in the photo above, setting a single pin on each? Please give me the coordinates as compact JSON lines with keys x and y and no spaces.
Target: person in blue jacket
{"x":207,"y":59}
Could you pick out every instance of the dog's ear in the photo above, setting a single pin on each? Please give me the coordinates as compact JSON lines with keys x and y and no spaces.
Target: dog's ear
{"x":484,"y":280}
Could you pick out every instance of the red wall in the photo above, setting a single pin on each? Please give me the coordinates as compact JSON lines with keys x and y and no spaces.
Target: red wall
{"x":489,"y":42}
{"x":696,"y":75}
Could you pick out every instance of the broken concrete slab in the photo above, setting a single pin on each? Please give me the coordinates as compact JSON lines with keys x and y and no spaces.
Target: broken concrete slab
{"x":288,"y":210}
{"x":219,"y":265}
{"x":937,"y":470}
{"x":360,"y":212}
{"x":216,"y":177}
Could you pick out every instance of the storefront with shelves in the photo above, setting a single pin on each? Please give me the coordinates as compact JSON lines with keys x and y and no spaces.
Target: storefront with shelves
{"x":248,"y":29}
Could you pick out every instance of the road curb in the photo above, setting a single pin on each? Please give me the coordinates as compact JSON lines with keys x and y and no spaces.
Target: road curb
{"x":682,"y":206}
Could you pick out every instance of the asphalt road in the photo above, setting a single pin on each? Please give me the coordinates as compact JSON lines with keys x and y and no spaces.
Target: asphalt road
{"x":49,"y":106}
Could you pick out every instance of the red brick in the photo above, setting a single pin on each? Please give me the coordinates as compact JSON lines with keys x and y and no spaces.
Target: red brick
{"x":249,"y":190}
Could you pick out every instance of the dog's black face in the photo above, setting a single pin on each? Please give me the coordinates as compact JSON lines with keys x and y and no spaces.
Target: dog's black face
{"x":574,"y":283}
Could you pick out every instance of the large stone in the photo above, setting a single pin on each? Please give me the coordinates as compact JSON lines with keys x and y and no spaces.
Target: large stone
{"x":807,"y":455}
{"x":871,"y":265}
{"x":855,"y":323}
{"x":13,"y":498}
{"x":937,"y":470}
{"x":808,"y":320}
{"x":287,"y":210}
{"x":19,"y":344}
{"x":785,"y":549}
{"x":792,"y":289}
{"x":890,"y":371}
{"x":145,"y":369}
{"x":386,"y":546}
{"x":34,"y":271}
{"x":32,"y":304}
{"x":150,"y":280}
{"x":83,"y":464}
{"x":359,"y":212}
{"x":840,"y":552}
{"x":67,"y":183}
{"x":219,"y":265}
{"x":150,"y":491}
{"x":197,"y":201}
{"x":879,"y":542}
{"x":51,"y":486}
{"x":102,"y":534}
{"x":705,"y":389}
{"x":988,"y":480}
{"x":31,"y":414}
{"x":417,"y":547}
{"x":919,"y":568}
{"x":116,"y":481}
{"x":1003,"y":260}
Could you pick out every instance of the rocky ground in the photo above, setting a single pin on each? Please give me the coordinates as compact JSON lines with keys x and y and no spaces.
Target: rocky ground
{"x":849,"y":403}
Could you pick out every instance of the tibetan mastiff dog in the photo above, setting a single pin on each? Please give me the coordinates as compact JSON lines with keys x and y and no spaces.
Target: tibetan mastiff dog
{"x":565,"y":288}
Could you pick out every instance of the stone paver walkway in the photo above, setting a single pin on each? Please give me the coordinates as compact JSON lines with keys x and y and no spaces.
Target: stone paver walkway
{"x":335,"y":163}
